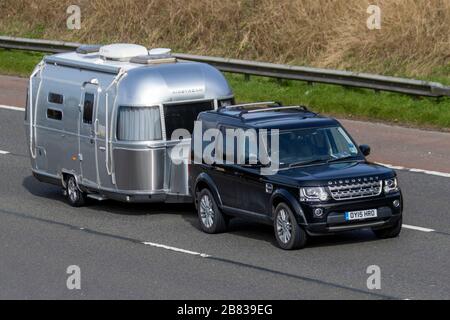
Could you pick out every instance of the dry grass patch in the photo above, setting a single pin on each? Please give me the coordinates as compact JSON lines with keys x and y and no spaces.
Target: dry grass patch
{"x":414,"y":39}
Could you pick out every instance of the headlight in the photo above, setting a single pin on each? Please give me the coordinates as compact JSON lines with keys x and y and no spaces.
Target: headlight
{"x":313,"y":194}
{"x":390,"y":185}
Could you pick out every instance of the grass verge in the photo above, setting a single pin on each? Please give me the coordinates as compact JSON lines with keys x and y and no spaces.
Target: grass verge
{"x":350,"y":103}
{"x":18,"y":63}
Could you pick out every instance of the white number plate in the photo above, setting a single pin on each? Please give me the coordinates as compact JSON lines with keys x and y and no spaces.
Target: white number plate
{"x":361,"y":215}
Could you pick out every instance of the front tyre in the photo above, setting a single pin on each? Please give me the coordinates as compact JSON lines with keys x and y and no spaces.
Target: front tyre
{"x":75,"y":196}
{"x":211,"y":218}
{"x":288,"y":233}
{"x":391,"y":232}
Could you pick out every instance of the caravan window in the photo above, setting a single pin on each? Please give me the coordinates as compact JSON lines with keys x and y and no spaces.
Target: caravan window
{"x":88,"y":107}
{"x":54,"y":114}
{"x":55,"y":98}
{"x":139,"y":124}
{"x":183,"y":116}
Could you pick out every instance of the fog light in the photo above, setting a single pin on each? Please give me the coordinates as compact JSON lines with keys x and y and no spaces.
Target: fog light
{"x":396,"y":203}
{"x":318,"y":212}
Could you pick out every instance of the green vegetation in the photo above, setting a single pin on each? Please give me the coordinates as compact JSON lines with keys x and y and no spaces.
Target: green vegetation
{"x":21,"y":63}
{"x":350,"y":103}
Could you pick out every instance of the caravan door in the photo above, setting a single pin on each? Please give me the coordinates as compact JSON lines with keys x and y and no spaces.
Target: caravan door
{"x":87,"y":136}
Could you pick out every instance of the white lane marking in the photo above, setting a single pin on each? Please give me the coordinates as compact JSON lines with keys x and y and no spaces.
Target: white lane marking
{"x":407,"y":226}
{"x":4,"y":152}
{"x":11,"y":108}
{"x":158,"y":245}
{"x":434,"y":173}
{"x":391,"y":166}
{"x":430,"y":172}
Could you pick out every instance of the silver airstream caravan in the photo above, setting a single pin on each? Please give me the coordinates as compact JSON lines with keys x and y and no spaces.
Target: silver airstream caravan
{"x":99,"y":121}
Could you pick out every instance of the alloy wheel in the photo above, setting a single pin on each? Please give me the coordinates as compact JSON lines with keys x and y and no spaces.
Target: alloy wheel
{"x":206,"y":211}
{"x":72,"y":190}
{"x":284,"y":226}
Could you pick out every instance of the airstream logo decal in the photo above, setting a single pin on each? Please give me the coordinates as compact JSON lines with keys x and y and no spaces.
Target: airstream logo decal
{"x":187,"y":91}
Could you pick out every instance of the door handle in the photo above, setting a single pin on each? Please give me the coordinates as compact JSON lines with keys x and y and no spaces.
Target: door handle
{"x":102,"y":148}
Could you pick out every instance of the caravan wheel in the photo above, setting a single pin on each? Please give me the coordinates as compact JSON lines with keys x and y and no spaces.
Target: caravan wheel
{"x":75,"y":196}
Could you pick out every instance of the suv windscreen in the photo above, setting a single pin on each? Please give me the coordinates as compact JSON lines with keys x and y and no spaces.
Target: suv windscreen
{"x":311,"y":145}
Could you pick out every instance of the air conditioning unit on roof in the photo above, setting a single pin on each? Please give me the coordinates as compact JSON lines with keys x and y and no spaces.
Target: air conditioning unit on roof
{"x":122,"y":51}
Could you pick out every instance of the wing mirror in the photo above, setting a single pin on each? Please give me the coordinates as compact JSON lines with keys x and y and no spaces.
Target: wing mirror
{"x":365,"y":149}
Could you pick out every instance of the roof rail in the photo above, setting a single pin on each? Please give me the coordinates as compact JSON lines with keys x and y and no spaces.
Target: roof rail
{"x":263,"y":107}
{"x":267,"y":103}
{"x":303,"y":108}
{"x":275,"y":108}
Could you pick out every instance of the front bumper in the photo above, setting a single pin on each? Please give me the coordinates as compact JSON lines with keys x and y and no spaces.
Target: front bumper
{"x":333,"y":219}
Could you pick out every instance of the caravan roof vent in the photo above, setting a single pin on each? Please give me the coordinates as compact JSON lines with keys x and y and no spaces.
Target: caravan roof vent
{"x":159,"y":53}
{"x":148,"y":59}
{"x":88,"y":48}
{"x":155,"y":56}
{"x":122,"y":51}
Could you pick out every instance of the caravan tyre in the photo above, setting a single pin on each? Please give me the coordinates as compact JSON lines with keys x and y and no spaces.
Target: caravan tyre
{"x":75,"y":196}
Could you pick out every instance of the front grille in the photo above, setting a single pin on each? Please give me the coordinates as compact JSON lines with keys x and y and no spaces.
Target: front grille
{"x":355,"y":189}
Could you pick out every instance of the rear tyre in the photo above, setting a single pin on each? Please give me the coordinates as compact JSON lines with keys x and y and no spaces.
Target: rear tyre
{"x":75,"y":196}
{"x":391,"y":232}
{"x":211,"y":218}
{"x":289,"y":234}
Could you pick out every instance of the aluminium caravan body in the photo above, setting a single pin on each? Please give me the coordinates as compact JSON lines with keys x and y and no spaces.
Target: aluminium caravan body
{"x":99,"y":121}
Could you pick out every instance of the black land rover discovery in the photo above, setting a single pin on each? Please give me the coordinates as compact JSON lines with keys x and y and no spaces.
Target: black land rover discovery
{"x":314,"y":180}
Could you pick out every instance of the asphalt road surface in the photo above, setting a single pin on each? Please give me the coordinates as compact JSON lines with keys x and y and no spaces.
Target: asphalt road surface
{"x":150,"y":251}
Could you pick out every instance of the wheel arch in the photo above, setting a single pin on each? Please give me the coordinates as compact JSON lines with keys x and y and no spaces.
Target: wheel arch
{"x":65,"y":174}
{"x":205,"y":181}
{"x":284,"y":196}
